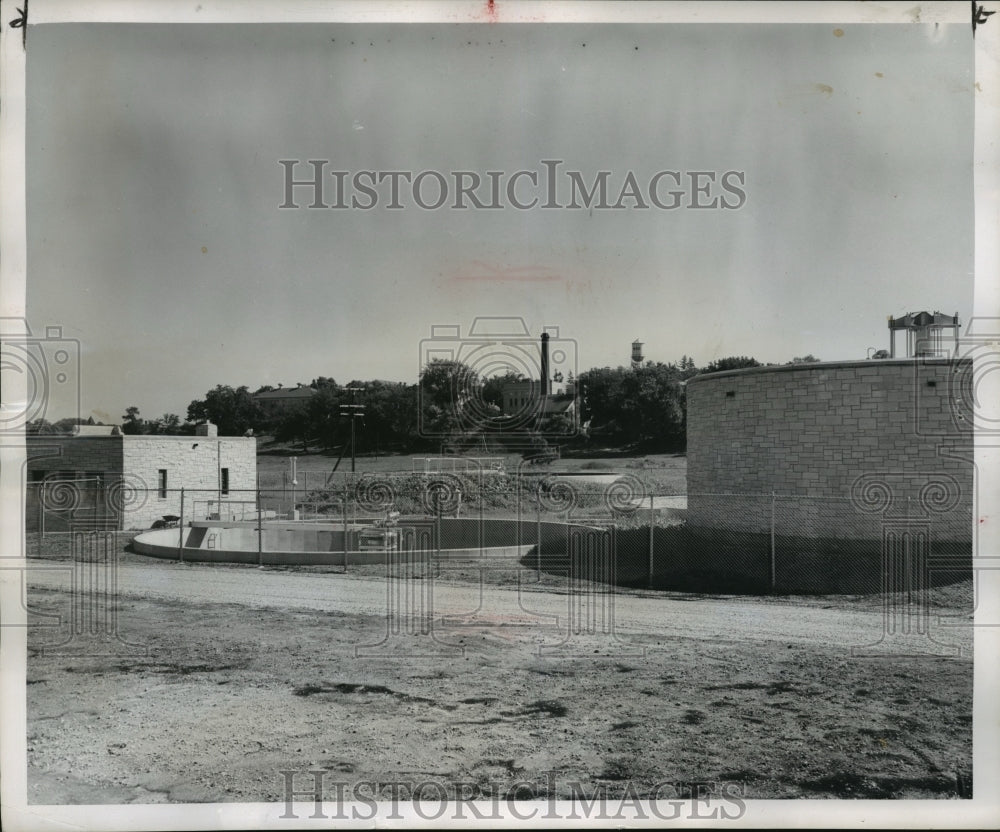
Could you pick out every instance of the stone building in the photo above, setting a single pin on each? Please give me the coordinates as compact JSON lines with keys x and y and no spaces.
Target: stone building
{"x":276,"y":403}
{"x":99,"y":478}
{"x":849,"y":476}
{"x":860,"y":442}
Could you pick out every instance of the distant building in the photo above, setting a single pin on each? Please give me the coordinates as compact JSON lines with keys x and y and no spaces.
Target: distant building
{"x":99,"y":478}
{"x":545,"y":396}
{"x":525,"y":396}
{"x":276,"y":403}
{"x":518,"y":396}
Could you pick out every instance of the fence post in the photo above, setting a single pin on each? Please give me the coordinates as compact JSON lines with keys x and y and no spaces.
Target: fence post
{"x":41,"y":502}
{"x":652,"y":539}
{"x":346,"y":498}
{"x":538,"y":534}
{"x":180,"y":531}
{"x":260,"y":534}
{"x":41,"y":513}
{"x":438,"y":508}
{"x":908,"y":563}
{"x":774,"y":575}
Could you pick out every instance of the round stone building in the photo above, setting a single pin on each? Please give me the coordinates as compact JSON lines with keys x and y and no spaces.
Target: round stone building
{"x":831,"y":469}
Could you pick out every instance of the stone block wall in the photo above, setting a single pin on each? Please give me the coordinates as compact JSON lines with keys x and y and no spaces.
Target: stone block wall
{"x":866,"y":440}
{"x":192,"y":463}
{"x":113,"y":481}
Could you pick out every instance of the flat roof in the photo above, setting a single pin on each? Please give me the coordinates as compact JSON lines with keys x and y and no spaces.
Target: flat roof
{"x":826,"y":365}
{"x":286,"y":393}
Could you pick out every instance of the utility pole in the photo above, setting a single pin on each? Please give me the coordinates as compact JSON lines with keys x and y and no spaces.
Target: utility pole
{"x":353,"y":411}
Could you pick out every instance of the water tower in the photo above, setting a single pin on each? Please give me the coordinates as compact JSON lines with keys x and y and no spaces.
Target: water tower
{"x":637,"y":357}
{"x":924,"y":334}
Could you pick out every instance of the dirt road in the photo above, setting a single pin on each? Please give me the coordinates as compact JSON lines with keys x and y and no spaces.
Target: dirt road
{"x":736,"y":619}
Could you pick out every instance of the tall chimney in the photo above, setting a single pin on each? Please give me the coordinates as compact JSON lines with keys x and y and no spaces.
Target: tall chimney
{"x":545,"y":364}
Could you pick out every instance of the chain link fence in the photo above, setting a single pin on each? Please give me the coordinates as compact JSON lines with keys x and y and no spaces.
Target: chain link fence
{"x":605,"y":528}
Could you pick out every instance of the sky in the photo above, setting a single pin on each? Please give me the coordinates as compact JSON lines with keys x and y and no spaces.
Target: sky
{"x":155,"y":239}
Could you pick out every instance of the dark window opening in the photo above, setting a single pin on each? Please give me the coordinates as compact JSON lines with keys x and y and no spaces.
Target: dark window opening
{"x":730,"y":394}
{"x":224,"y":480}
{"x":161,"y":483}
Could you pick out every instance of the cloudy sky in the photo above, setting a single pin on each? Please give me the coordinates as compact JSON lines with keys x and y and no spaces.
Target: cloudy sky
{"x":155,"y":236}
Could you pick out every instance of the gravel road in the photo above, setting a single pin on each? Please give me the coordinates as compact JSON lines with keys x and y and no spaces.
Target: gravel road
{"x":717,"y":618}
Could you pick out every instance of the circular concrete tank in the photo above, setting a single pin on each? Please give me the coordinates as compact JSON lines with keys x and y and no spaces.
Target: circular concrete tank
{"x":317,"y":543}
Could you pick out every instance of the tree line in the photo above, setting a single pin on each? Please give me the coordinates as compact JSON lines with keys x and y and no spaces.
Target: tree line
{"x":451,"y":406}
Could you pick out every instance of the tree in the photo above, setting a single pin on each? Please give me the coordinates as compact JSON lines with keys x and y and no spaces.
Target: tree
{"x":687,"y":367}
{"x":805,"y":359}
{"x":169,"y":424}
{"x":233,"y":410}
{"x":601,"y":392}
{"x":131,"y":423}
{"x":390,"y":412}
{"x":446,"y":386}
{"x":323,"y":415}
{"x":295,"y":425}
{"x":651,"y":408}
{"x":645,"y":404}
{"x":735,"y":362}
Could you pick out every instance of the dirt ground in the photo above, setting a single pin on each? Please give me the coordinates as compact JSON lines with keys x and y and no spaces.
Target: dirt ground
{"x":238,"y":674}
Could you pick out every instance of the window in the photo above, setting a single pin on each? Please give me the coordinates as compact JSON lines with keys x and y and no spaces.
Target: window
{"x":224,"y":480}
{"x":161,"y":483}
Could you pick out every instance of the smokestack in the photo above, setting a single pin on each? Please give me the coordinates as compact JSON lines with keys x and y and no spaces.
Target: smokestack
{"x":545,"y":364}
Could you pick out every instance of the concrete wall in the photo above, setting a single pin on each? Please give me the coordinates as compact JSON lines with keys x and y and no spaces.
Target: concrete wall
{"x":315,"y":543}
{"x":866,"y":440}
